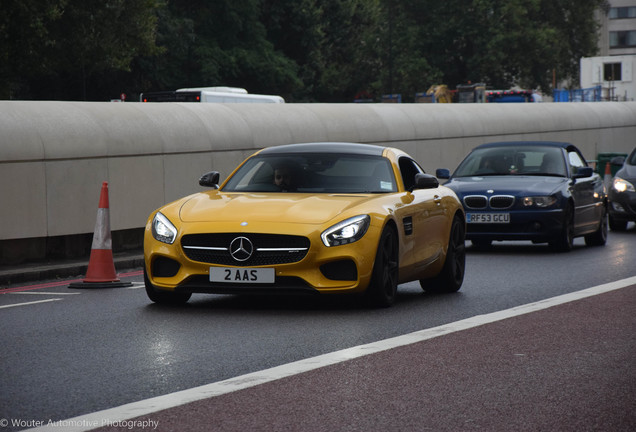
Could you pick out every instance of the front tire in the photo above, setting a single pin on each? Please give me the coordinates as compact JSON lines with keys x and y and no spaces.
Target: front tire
{"x":565,"y":240}
{"x":617,"y":225}
{"x":384,"y":279}
{"x":599,"y":237}
{"x":164,"y":297}
{"x":451,"y":277}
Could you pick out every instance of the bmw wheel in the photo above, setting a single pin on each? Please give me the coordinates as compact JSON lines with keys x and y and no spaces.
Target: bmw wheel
{"x":599,"y":237}
{"x":565,"y":240}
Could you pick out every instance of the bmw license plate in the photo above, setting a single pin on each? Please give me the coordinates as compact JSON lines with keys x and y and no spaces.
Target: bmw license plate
{"x":242,"y":275}
{"x":495,"y":218}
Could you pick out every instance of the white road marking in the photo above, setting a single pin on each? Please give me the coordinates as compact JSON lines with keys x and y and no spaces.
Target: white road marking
{"x":29,"y":303}
{"x":147,"y":406}
{"x":44,"y":293}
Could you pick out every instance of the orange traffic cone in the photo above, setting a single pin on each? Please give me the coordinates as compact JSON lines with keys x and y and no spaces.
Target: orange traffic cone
{"x":101,"y":267}
{"x":607,"y":180}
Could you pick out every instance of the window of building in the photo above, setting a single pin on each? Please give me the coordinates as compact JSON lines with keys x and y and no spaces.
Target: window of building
{"x":622,"y":12}
{"x":623,"y":39}
{"x":612,"y":72}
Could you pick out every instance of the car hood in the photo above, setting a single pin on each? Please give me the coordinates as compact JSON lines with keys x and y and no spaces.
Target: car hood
{"x":627,"y":172}
{"x":507,"y":185}
{"x":267,"y":207}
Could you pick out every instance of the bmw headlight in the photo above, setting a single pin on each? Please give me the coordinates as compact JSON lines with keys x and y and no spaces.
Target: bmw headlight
{"x":347,"y":231}
{"x":163,"y":230}
{"x":622,"y":185}
{"x":539,"y":201}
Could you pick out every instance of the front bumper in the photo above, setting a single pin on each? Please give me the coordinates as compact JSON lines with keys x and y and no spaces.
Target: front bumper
{"x":622,"y":205}
{"x":337,"y":269}
{"x":539,"y":226}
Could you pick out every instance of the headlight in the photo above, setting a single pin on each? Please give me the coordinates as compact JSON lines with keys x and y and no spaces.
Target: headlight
{"x":622,"y":185}
{"x":539,"y":201}
{"x":347,"y":231}
{"x":163,"y":230}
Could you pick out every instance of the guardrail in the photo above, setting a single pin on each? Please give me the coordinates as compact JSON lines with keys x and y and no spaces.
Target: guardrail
{"x":54,"y":156}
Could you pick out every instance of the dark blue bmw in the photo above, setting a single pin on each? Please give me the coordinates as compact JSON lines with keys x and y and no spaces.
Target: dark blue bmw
{"x":540,"y":191}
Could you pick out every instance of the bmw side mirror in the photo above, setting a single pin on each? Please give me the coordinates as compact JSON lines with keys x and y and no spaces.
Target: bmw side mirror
{"x":210,"y":179}
{"x":584,"y":172}
{"x":442,"y":173}
{"x":425,"y":181}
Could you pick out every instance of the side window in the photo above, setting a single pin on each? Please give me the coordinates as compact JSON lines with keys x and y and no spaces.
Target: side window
{"x":408,"y":169}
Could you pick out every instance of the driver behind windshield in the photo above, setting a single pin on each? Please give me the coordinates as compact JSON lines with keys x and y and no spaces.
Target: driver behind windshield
{"x":285,"y":177}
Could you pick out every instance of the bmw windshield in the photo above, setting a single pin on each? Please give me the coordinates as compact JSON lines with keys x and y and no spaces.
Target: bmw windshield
{"x":510,"y":160}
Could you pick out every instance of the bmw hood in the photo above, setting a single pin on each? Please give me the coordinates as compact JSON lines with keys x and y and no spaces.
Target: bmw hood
{"x":267,"y":207}
{"x":507,"y":185}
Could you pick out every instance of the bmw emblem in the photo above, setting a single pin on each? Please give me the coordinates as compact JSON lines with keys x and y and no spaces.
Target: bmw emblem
{"x":241,"y":248}
{"x":490,"y":191}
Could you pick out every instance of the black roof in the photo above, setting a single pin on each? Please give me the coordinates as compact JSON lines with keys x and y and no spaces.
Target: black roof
{"x":326,"y":147}
{"x":564,"y":145}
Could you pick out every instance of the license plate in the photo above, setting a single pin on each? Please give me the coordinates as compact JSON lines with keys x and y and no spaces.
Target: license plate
{"x":242,"y":275}
{"x":495,"y":218}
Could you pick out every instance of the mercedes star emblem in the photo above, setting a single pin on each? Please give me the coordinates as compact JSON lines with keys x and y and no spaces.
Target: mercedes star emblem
{"x":241,"y":248}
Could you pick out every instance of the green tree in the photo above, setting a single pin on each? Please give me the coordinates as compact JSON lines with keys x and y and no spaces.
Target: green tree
{"x":76,"y":45}
{"x":25,"y":42}
{"x":499,"y":42}
{"x":224,"y":43}
{"x":333,"y":43}
{"x":304,"y":50}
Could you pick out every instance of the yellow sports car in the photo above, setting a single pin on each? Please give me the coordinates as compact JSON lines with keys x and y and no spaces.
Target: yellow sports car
{"x":309,"y":218}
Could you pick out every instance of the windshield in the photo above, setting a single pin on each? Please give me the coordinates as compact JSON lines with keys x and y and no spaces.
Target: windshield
{"x":512,"y":160}
{"x":313,"y":173}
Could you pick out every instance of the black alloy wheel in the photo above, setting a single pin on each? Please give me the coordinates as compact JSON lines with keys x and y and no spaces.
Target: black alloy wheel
{"x":384,"y":279}
{"x":565,"y":240}
{"x":599,"y":237}
{"x":451,"y":278}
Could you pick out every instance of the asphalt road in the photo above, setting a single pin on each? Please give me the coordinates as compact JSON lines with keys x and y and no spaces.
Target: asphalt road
{"x":69,"y":352}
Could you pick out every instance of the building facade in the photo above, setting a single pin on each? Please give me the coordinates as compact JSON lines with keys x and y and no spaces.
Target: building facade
{"x":614,"y":69}
{"x":618,"y":28}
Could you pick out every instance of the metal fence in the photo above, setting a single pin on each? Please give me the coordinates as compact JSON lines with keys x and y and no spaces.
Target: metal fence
{"x":591,"y":94}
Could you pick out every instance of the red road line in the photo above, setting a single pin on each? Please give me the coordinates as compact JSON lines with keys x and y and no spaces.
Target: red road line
{"x":60,"y":283}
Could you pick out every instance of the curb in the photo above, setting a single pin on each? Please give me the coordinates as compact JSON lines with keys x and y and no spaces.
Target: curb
{"x":61,"y":270}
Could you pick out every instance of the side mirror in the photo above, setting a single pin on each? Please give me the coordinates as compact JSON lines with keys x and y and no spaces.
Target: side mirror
{"x":425,"y":181}
{"x":584,"y":172}
{"x":442,"y":173}
{"x":210,"y":179}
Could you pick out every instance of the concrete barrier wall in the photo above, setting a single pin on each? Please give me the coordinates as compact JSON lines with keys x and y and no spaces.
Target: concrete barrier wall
{"x":54,"y":156}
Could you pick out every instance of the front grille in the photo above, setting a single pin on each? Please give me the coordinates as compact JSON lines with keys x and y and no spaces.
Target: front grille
{"x":268,"y":249}
{"x":501,"y":201}
{"x":475,"y":201}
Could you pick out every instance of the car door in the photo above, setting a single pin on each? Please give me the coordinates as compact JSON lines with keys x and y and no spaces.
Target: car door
{"x":423,"y":219}
{"x":587,"y":210}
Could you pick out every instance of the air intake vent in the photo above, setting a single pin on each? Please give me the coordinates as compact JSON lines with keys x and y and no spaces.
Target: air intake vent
{"x":475,"y":201}
{"x":501,"y":201}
